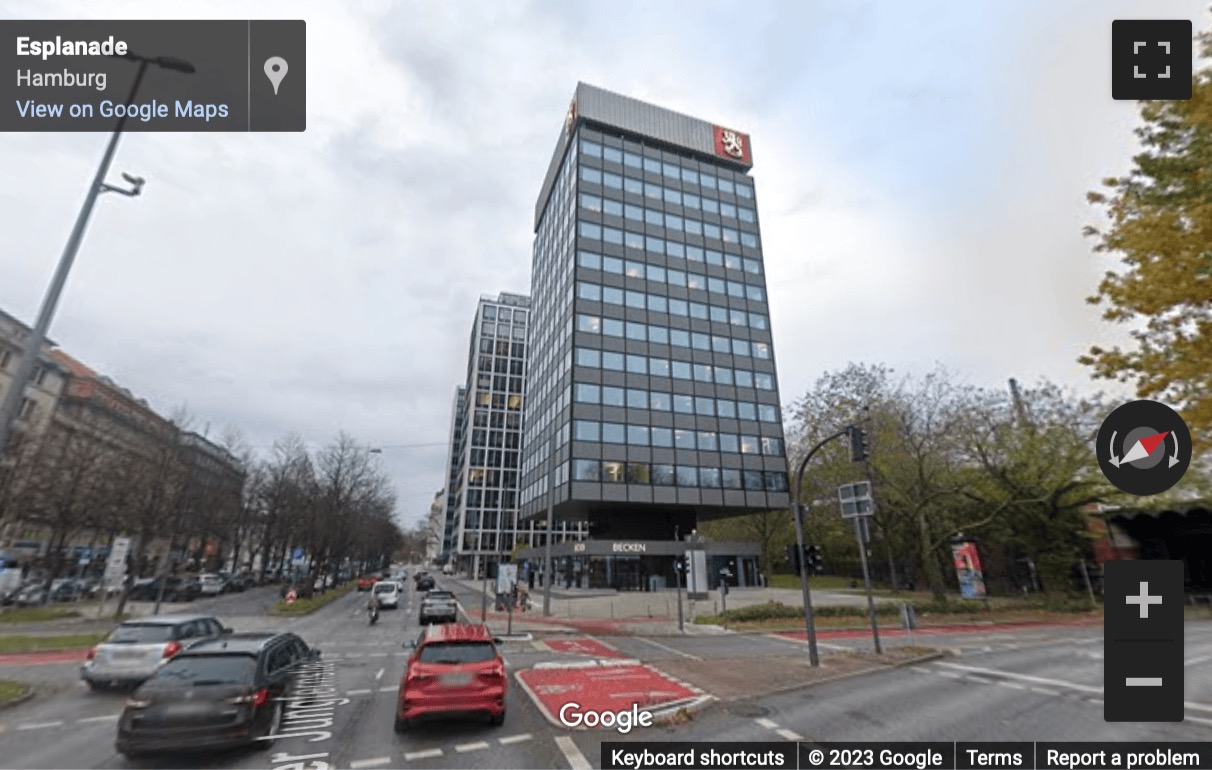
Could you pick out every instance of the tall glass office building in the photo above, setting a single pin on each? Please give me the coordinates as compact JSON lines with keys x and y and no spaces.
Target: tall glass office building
{"x":652,"y":392}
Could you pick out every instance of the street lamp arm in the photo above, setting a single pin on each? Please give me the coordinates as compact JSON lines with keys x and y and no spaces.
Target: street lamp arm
{"x":799,"y":476}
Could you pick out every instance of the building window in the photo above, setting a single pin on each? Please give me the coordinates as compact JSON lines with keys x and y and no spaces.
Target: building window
{"x":663,"y":475}
{"x":688,"y":476}
{"x":612,"y":472}
{"x":638,"y":473}
{"x":586,"y":470}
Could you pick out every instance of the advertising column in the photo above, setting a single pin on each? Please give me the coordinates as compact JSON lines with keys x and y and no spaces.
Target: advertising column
{"x":967,"y":559}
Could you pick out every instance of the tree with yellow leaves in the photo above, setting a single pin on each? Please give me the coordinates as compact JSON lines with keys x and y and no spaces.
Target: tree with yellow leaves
{"x":1161,"y":227}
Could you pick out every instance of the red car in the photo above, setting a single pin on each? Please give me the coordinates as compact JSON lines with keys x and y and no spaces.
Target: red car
{"x":366,"y":583}
{"x":454,"y":670}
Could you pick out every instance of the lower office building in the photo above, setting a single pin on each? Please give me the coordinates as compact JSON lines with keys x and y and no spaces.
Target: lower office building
{"x":485,"y":447}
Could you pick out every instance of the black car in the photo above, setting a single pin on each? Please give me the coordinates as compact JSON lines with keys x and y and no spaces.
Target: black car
{"x":217,"y":694}
{"x":425,"y":583}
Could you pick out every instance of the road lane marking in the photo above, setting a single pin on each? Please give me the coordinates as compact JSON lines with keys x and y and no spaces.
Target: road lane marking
{"x":980,"y":680}
{"x":1198,"y":659}
{"x":1013,"y":685}
{"x":790,"y":735}
{"x":106,"y":718}
{"x":369,"y":763}
{"x":389,"y":689}
{"x":429,"y":754}
{"x":1044,"y":691}
{"x":463,"y":748}
{"x":769,"y":724}
{"x":377,"y":655}
{"x":40,"y":725}
{"x":667,"y":648}
{"x":576,"y":760}
{"x":379,"y":674}
{"x":1021,"y":677}
{"x":358,"y":692}
{"x":506,"y":741}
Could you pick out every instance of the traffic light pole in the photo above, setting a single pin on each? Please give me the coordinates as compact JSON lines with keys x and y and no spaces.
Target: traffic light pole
{"x":798,"y":511}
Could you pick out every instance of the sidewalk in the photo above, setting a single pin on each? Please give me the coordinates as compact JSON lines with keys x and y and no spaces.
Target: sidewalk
{"x":599,"y":603}
{"x":647,"y":612}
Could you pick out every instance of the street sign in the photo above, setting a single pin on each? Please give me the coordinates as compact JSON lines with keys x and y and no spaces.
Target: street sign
{"x":298,"y":555}
{"x":856,"y":500}
{"x":115,"y":565}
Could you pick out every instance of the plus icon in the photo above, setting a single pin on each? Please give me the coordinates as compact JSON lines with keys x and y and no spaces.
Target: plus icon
{"x":1144,"y":600}
{"x":1151,"y":59}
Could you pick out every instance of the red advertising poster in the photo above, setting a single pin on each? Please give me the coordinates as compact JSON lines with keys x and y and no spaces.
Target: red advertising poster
{"x":967,"y":559}
{"x":732,"y":144}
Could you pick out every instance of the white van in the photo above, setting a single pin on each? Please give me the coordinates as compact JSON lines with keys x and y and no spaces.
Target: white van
{"x":10,"y":576}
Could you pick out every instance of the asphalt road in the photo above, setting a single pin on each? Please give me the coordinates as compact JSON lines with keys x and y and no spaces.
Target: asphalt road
{"x":1039,"y":686}
{"x":67,"y":726}
{"x":1042,"y":684}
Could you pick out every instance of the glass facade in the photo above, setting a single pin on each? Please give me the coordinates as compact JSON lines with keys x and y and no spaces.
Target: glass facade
{"x":482,"y":505}
{"x":653,"y":380}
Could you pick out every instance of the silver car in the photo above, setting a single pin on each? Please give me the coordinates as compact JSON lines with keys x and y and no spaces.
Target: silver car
{"x":135,"y":649}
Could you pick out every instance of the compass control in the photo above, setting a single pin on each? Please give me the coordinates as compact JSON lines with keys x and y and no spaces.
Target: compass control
{"x":1144,"y":448}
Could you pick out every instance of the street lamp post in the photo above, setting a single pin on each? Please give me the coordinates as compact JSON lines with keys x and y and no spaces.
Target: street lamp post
{"x":679,"y":564}
{"x":11,"y":406}
{"x":814,"y":657}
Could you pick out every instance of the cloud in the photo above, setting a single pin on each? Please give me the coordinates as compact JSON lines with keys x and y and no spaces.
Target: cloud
{"x":919,"y":179}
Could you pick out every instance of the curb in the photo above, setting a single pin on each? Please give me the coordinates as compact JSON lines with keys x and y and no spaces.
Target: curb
{"x":30,"y":691}
{"x":874,"y":667}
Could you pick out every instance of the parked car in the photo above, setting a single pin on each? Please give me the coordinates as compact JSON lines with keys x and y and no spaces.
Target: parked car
{"x":176,"y":589}
{"x":211,"y":584}
{"x":218,"y":693}
{"x":137,"y":648}
{"x":388,"y":594}
{"x":439,"y":607}
{"x":453,"y":669}
{"x":36,"y":592}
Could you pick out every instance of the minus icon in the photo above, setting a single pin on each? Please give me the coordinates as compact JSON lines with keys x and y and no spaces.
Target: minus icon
{"x":1143,"y":681}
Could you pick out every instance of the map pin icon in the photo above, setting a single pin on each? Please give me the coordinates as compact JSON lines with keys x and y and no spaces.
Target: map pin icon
{"x":275,"y":70}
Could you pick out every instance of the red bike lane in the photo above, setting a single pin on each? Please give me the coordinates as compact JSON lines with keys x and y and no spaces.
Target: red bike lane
{"x":602,"y":686}
{"x":42,"y":658}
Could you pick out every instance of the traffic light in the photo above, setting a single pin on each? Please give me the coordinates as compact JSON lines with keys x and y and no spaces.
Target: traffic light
{"x":814,"y":557}
{"x":793,"y":558}
{"x":860,"y":449}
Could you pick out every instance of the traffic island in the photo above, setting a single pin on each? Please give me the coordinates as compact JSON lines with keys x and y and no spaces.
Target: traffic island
{"x":743,"y":678}
{"x":25,"y":645}
{"x":309,"y":605}
{"x":13,"y":693}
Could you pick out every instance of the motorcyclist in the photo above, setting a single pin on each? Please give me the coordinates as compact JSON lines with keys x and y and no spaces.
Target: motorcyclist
{"x":372,"y":607}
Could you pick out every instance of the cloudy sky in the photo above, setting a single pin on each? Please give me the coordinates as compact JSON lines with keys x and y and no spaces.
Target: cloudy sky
{"x":921,"y":170}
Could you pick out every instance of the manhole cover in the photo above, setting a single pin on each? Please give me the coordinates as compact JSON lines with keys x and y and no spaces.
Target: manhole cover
{"x":749,"y":710}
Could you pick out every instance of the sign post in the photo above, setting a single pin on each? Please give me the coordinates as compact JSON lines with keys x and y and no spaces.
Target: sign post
{"x":115,"y":569}
{"x":857,"y":505}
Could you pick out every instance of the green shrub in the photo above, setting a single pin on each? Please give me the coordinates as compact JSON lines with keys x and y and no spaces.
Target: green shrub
{"x":312,"y":603}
